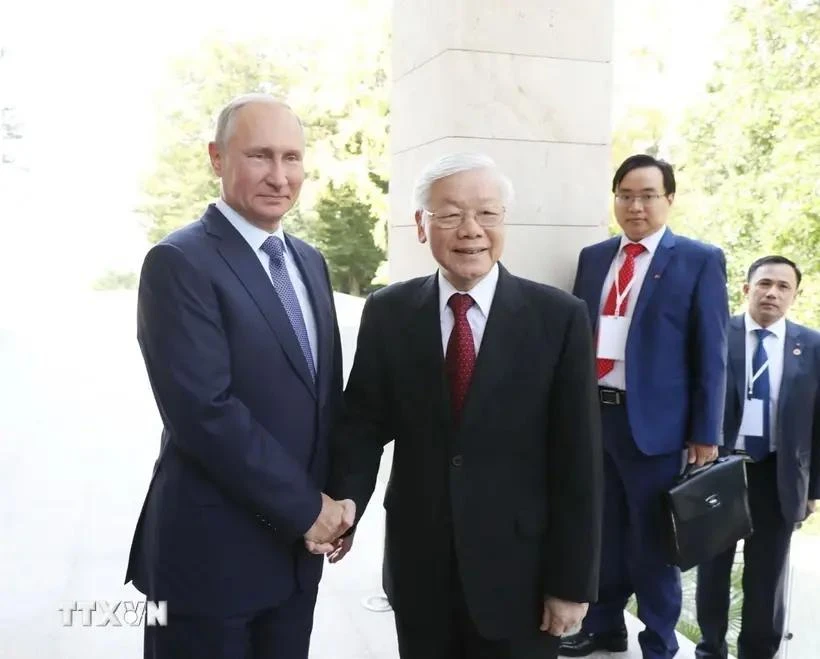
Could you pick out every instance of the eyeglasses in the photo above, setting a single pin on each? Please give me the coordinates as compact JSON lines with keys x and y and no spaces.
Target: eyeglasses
{"x":451,"y":218}
{"x":644,"y":199}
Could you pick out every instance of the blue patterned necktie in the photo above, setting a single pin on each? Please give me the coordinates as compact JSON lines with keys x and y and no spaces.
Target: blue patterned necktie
{"x":275,"y":249}
{"x":759,"y":447}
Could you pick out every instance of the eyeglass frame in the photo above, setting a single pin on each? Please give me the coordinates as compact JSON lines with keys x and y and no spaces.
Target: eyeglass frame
{"x":643,"y":199}
{"x":502,"y":215}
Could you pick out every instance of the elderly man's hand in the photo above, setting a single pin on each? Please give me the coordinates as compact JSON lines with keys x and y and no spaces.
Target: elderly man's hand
{"x":335,"y":518}
{"x":562,"y":617}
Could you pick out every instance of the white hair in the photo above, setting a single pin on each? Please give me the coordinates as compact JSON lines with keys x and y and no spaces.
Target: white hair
{"x":456,"y":163}
{"x":224,"y":122}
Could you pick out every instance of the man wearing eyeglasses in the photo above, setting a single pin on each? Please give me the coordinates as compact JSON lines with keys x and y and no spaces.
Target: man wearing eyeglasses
{"x":486,"y":382}
{"x":660,"y":312}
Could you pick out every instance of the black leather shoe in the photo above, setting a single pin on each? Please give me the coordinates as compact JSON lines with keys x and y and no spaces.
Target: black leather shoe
{"x":584,"y":644}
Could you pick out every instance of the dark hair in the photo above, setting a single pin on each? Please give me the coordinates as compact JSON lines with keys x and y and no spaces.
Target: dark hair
{"x":645,"y":160}
{"x":773,"y":260}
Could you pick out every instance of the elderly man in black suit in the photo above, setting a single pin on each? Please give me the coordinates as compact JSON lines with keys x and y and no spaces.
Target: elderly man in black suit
{"x":486,"y":383}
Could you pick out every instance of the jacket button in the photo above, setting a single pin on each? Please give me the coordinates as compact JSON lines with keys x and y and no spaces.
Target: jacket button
{"x":457,"y":461}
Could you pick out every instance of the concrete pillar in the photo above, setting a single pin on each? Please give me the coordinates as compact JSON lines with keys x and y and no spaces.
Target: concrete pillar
{"x":527,"y":82}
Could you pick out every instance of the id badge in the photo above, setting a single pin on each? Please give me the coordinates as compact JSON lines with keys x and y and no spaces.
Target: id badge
{"x":612,"y":332}
{"x":752,"y":422}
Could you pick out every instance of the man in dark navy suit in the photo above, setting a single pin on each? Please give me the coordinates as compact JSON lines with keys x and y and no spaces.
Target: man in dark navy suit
{"x":238,"y":331}
{"x":773,"y":415}
{"x":659,"y":306}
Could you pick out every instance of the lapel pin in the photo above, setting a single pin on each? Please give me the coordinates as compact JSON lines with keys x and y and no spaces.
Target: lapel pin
{"x":657,"y":275}
{"x":796,"y":352}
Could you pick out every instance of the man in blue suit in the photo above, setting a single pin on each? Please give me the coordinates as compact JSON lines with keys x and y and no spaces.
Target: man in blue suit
{"x":659,"y":307}
{"x":238,"y":331}
{"x":773,"y":415}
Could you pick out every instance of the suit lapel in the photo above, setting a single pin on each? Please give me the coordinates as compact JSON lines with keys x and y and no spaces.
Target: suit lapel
{"x":423,"y":335}
{"x":653,"y":276}
{"x":598,"y":271}
{"x":499,"y":346}
{"x":791,"y":364}
{"x":737,"y":355}
{"x":240,"y":258}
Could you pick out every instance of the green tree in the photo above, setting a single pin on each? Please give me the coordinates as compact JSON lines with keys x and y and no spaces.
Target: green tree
{"x":182,"y":180}
{"x":339,"y":89}
{"x":750,"y":167}
{"x":344,"y":233}
{"x":115,"y":280}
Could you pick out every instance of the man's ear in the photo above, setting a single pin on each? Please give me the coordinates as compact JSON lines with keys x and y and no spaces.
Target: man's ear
{"x":420,"y":228}
{"x":670,"y":198}
{"x":216,"y":158}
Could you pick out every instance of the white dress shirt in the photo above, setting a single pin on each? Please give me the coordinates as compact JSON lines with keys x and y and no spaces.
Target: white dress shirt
{"x":482,"y":293}
{"x":775,"y":346}
{"x":255,"y":237}
{"x":616,"y":378}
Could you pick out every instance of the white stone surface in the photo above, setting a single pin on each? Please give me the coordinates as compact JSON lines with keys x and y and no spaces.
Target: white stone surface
{"x":543,"y":28}
{"x":502,"y":96}
{"x":527,"y":83}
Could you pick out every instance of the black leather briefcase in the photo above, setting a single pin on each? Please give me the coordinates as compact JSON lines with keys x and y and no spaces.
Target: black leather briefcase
{"x":707,"y":511}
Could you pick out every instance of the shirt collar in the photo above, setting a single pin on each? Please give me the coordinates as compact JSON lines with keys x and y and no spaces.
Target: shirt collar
{"x":777,"y":328}
{"x":252,"y":234}
{"x":483,"y":292}
{"x":650,"y":242}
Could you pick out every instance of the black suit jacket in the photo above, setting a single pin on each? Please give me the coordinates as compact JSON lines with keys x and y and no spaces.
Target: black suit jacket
{"x":516,"y":490}
{"x":798,"y":413}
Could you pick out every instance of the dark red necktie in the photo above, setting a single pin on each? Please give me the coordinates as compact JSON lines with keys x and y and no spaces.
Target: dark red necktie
{"x":460,"y":357}
{"x":625,"y":275}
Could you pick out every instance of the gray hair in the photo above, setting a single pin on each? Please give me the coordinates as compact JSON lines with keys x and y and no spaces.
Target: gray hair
{"x":224,"y":122}
{"x":456,"y":163}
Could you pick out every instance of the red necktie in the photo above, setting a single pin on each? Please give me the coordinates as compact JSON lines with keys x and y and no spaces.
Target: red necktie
{"x":625,"y":275}
{"x":460,"y":357}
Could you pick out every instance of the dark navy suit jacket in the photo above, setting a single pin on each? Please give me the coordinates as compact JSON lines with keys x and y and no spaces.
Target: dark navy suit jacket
{"x":676,"y":347}
{"x":798,"y":413}
{"x":244,"y":451}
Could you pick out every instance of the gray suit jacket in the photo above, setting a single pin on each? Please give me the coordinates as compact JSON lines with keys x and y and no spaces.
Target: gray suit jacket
{"x":798,"y":413}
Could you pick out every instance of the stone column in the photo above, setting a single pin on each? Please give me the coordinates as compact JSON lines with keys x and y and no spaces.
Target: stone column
{"x":526,"y":81}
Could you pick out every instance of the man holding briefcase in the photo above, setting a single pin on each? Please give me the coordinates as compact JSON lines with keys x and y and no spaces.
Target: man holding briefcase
{"x":773,"y":415}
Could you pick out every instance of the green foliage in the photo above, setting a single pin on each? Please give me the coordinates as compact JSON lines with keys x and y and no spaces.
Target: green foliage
{"x":182,"y":182}
{"x":749,"y":171}
{"x":688,"y":622}
{"x":339,"y":88}
{"x":114,"y":280}
{"x":344,"y":233}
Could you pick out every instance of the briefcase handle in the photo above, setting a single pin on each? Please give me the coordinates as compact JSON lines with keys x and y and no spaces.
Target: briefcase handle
{"x":691,"y":470}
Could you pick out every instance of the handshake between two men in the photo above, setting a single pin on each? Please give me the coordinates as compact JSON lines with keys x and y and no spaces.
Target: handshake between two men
{"x":327,"y":535}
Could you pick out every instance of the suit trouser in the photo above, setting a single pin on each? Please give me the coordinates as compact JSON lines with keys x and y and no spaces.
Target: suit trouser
{"x":454,"y":635}
{"x":279,"y":633}
{"x":633,"y":558}
{"x":765,"y":557}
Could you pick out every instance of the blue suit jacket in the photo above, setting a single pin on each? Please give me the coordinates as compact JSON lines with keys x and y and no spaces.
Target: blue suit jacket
{"x":676,"y":347}
{"x":245,"y":447}
{"x":798,"y":413}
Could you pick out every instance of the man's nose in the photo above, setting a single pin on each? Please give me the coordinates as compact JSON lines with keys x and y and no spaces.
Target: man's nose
{"x":276,"y":175}
{"x":469,"y":227}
